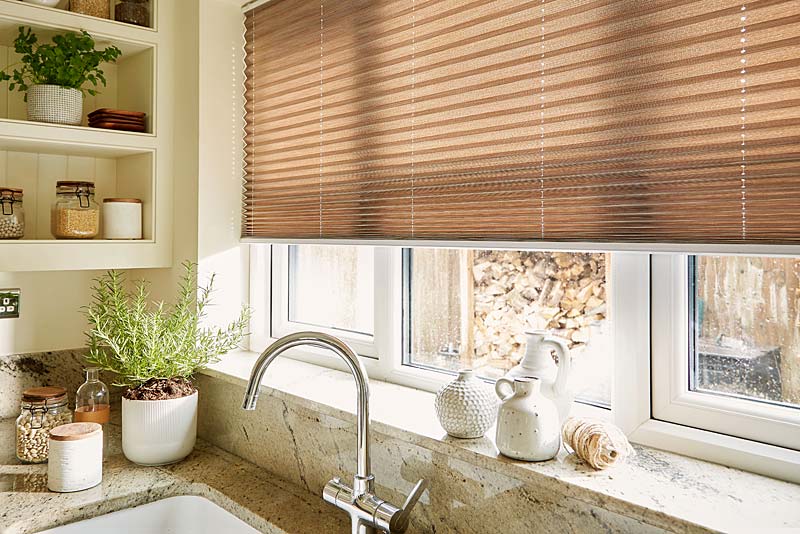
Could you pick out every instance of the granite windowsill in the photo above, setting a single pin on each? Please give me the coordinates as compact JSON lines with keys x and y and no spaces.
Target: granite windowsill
{"x":659,"y":487}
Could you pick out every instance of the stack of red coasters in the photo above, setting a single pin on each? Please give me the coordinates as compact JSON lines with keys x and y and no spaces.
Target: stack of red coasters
{"x":118,"y":119}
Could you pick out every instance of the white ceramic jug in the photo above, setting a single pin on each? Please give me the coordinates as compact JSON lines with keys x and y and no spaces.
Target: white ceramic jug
{"x":527,"y":423}
{"x":539,"y":363}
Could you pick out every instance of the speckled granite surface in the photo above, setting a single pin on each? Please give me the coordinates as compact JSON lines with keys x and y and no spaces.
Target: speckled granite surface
{"x":269,"y":504}
{"x":305,"y":413}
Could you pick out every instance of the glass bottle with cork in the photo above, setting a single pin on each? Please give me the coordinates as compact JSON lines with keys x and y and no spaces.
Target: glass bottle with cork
{"x":92,"y":404}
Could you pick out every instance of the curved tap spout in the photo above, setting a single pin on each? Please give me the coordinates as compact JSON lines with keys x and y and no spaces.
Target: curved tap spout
{"x":363,"y":479}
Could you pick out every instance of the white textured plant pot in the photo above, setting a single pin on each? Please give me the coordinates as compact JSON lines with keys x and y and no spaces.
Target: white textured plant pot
{"x":159,"y":432}
{"x":55,"y":104}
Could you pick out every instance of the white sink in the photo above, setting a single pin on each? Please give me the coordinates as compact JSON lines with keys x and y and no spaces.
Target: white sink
{"x":174,"y":515}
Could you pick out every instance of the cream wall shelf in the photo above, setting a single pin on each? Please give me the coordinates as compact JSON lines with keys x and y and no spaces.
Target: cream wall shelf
{"x":35,"y":155}
{"x":128,"y":37}
{"x":24,"y":136}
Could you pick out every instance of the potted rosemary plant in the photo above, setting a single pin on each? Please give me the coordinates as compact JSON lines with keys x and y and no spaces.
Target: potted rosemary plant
{"x":154,"y":349}
{"x":52,"y":76}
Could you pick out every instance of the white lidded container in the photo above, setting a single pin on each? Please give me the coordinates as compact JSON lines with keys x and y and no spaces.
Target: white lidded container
{"x":122,"y":218}
{"x":76,"y":457}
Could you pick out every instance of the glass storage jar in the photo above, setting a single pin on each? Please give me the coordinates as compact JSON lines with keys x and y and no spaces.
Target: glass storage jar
{"x":93,"y":8}
{"x":75,"y":214}
{"x":12,"y":215}
{"x":133,"y":12}
{"x":41,"y":409}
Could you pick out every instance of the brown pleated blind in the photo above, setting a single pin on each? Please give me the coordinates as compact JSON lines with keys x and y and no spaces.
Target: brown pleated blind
{"x":558,"y":120}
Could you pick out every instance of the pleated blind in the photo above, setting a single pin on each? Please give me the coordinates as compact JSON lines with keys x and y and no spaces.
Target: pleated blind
{"x":558,"y":120}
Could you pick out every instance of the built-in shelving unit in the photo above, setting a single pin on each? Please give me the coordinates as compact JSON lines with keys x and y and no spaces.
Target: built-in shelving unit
{"x":33,"y":155}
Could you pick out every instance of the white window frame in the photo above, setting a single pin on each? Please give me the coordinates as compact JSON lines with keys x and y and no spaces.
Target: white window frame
{"x":281,"y":324}
{"x":673,"y":400}
{"x":382,"y":352}
{"x":649,"y":321}
{"x":660,"y":411}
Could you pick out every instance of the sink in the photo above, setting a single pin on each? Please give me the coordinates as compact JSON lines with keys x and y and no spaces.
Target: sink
{"x":174,"y":515}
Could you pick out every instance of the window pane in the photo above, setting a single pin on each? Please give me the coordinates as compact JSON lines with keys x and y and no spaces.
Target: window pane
{"x":471,"y":308}
{"x":746,"y":326}
{"x":332,"y":287}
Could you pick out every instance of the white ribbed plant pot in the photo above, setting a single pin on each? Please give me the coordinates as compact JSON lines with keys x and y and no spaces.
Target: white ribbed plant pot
{"x":55,"y":104}
{"x":159,"y":432}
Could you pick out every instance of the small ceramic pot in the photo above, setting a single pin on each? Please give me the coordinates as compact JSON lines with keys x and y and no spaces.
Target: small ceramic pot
{"x":55,"y":104}
{"x":527,"y":424}
{"x":159,"y":432}
{"x":466,"y":407}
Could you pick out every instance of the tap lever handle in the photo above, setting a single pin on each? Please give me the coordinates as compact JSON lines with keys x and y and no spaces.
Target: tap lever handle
{"x":401,"y":519}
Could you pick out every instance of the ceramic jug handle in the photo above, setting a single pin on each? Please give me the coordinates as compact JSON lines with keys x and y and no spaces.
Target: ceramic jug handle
{"x":564,"y":363}
{"x":504,"y":388}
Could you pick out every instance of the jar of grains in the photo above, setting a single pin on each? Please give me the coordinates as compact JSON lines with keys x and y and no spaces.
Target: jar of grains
{"x":12,"y":216}
{"x":75,"y":214}
{"x":94,"y":8}
{"x":42,"y":409}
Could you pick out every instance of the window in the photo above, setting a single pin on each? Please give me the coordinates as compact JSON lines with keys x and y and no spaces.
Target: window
{"x":332,"y":287}
{"x":726,"y":353}
{"x":328,"y":288}
{"x":745,"y":328}
{"x":451,"y":309}
{"x":722,"y":332}
{"x":471,"y":308}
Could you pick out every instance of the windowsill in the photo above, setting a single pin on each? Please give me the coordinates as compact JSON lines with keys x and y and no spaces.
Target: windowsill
{"x":660,"y":488}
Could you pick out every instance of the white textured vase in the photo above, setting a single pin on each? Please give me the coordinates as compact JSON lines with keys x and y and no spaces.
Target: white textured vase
{"x":158,"y":432}
{"x":466,"y":407}
{"x":55,"y":104}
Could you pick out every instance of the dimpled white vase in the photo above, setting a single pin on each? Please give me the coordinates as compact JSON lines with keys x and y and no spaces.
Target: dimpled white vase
{"x":466,"y":407}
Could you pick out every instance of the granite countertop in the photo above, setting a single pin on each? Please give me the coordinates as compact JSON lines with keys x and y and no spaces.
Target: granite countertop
{"x":269,"y":504}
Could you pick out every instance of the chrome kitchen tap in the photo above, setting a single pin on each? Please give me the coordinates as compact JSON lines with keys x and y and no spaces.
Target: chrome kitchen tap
{"x":368,"y":513}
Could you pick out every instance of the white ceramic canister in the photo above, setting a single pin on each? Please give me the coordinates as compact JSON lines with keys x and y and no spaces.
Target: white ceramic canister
{"x":122,"y":218}
{"x":466,"y":407}
{"x":76,"y":457}
{"x":527,"y":424}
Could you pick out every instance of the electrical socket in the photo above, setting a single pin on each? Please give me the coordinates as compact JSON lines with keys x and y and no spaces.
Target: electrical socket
{"x":9,"y":303}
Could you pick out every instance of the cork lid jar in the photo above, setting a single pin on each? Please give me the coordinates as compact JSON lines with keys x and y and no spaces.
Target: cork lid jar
{"x":75,"y":214}
{"x":12,"y":214}
{"x":41,"y":409}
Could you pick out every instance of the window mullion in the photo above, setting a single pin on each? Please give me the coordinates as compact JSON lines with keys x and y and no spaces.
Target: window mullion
{"x":630,"y":319}
{"x":388,"y":310}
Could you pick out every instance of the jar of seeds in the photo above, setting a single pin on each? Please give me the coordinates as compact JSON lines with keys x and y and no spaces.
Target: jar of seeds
{"x":75,"y":214}
{"x":43,"y":408}
{"x":12,"y":216}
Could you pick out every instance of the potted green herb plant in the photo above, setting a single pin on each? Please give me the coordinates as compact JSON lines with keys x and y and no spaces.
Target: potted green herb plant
{"x":154,"y":349}
{"x":53,"y":75}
